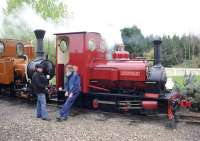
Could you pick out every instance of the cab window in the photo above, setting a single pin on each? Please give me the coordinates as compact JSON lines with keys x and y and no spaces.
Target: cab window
{"x":91,"y":45}
{"x":63,"y":50}
{"x":20,"y":49}
{"x":63,"y":46}
{"x":1,"y":47}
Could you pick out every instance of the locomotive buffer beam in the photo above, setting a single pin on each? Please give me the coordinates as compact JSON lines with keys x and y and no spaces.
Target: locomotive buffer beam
{"x":125,"y":105}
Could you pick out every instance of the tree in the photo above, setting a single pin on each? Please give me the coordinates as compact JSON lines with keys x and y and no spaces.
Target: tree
{"x":171,"y":51}
{"x":134,"y":40}
{"x":54,"y":10}
{"x":180,"y":51}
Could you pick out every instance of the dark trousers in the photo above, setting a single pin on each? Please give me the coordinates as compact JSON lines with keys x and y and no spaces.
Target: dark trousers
{"x":41,"y":106}
{"x":64,"y":112}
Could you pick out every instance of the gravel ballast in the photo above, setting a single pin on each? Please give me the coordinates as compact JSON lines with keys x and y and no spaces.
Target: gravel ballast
{"x":19,"y":123}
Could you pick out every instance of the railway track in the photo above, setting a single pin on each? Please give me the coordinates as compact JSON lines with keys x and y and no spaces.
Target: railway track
{"x":181,"y":116}
{"x":188,"y":117}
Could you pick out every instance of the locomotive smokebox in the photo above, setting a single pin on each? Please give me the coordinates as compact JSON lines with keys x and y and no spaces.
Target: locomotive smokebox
{"x":40,"y":48}
{"x":48,"y":66}
{"x":157,"y":42}
{"x":157,"y":72}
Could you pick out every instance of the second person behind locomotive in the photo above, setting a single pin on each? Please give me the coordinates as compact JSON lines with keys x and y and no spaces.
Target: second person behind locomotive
{"x":39,"y":83}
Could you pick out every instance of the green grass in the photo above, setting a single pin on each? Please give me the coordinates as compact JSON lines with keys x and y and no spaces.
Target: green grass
{"x":180,"y":80}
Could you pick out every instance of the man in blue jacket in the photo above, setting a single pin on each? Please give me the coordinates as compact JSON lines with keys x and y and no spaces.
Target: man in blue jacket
{"x":72,"y":89}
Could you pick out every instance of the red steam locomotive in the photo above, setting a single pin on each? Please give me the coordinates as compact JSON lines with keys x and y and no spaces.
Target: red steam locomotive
{"x":120,"y":84}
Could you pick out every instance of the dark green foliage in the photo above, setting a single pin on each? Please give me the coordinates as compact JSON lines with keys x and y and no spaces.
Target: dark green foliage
{"x":172,"y":52}
{"x":134,"y":41}
{"x":189,"y":88}
{"x":182,"y":51}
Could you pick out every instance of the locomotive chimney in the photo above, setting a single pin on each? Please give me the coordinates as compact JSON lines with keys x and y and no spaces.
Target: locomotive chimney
{"x":39,"y":36}
{"x":157,"y":52}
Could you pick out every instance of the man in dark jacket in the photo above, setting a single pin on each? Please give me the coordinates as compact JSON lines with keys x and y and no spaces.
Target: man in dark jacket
{"x":72,"y":87}
{"x":39,"y":83}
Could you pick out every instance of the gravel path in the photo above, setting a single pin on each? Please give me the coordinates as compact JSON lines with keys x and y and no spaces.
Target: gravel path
{"x":18,"y":123}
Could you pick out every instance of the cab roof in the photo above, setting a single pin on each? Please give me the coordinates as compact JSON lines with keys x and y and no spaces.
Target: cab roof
{"x":82,"y":32}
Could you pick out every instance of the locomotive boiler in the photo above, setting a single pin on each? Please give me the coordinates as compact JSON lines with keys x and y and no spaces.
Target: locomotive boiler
{"x":120,"y":84}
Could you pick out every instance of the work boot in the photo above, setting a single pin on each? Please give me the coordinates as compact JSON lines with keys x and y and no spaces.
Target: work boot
{"x":46,"y":119}
{"x":59,"y":119}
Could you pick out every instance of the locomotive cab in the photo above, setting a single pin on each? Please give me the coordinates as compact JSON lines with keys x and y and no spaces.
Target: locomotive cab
{"x":14,"y":57}
{"x":80,"y":49}
{"x":13,"y":60}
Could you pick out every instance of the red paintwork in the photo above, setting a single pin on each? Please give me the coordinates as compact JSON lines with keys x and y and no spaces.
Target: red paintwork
{"x":95,"y":104}
{"x":94,"y":66}
{"x":172,"y":98}
{"x":98,"y":88}
{"x":80,"y":55}
{"x":150,"y":105}
{"x":120,"y":70}
{"x":170,"y":111}
{"x":151,"y":95}
{"x":185,"y":104}
{"x":120,"y":55}
{"x":59,"y":76}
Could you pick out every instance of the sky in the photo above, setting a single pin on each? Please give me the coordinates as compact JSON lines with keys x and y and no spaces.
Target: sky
{"x":158,"y":17}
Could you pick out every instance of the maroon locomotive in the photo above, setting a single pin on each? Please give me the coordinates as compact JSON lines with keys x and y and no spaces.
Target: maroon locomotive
{"x":120,"y":84}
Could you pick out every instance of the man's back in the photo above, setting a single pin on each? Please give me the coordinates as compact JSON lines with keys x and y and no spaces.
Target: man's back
{"x":39,"y":82}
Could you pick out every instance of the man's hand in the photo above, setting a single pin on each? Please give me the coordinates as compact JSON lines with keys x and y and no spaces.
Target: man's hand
{"x":71,"y":94}
{"x":66,"y":94}
{"x":48,"y":77}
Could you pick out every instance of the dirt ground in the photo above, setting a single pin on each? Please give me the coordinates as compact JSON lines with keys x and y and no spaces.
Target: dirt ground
{"x":19,"y":123}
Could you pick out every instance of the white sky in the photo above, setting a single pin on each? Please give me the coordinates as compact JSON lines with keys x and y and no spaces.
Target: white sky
{"x":156,"y":17}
